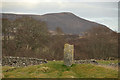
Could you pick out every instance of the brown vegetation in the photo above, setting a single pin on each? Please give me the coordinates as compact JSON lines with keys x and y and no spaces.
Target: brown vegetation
{"x":27,"y":37}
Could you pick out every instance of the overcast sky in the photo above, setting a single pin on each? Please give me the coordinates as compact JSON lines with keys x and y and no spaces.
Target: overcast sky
{"x":102,"y":12}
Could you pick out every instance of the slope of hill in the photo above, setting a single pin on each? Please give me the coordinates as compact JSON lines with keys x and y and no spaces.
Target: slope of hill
{"x":68,"y":22}
{"x":56,"y":69}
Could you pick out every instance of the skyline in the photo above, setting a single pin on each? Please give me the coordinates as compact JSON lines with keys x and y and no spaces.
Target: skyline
{"x":105,"y":13}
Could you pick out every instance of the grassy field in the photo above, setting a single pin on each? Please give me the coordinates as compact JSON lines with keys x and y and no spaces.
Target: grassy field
{"x":56,"y":69}
{"x":107,"y":61}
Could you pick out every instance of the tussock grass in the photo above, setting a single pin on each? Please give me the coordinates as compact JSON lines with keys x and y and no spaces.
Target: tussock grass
{"x":56,"y":69}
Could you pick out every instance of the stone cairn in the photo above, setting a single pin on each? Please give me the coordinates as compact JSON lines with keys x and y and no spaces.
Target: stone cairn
{"x":68,"y":54}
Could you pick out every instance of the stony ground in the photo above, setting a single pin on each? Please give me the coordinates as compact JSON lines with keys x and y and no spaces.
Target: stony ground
{"x":56,"y":69}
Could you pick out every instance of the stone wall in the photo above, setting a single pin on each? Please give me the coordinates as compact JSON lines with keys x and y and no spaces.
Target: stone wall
{"x":96,"y":63}
{"x":86,"y":62}
{"x":21,"y":61}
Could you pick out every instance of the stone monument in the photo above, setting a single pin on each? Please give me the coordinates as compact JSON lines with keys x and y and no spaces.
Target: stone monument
{"x":68,"y":54}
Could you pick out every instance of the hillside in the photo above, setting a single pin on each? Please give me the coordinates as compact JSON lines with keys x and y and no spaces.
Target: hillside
{"x":56,"y":69}
{"x":68,"y":22}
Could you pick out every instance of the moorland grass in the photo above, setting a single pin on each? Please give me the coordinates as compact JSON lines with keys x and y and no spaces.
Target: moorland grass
{"x":56,"y":69}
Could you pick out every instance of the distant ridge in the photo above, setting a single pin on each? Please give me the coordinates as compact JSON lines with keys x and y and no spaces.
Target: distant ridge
{"x":68,"y":22}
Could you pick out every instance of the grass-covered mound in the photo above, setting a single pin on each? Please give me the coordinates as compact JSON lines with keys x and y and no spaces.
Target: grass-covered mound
{"x":56,"y":69}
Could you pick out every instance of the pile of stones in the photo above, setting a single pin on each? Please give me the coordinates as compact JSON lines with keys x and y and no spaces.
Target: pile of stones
{"x":21,"y":61}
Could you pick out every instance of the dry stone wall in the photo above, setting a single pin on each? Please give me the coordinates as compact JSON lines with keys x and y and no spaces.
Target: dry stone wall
{"x":21,"y":61}
{"x":96,"y":63}
{"x":86,"y":62}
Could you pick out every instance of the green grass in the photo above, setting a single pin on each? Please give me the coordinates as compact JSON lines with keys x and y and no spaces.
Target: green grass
{"x":56,"y":69}
{"x":107,"y":61}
